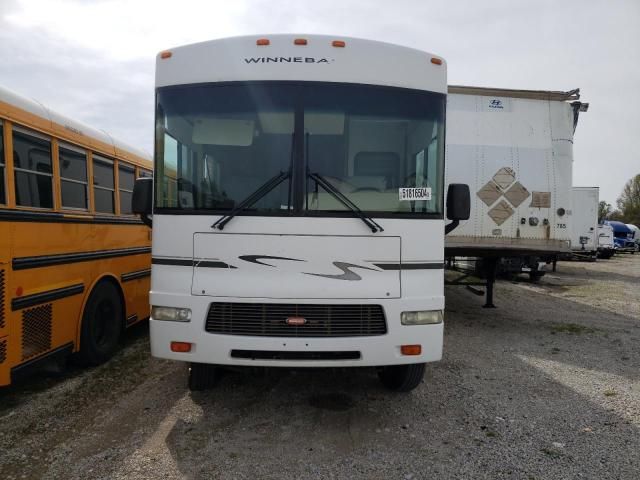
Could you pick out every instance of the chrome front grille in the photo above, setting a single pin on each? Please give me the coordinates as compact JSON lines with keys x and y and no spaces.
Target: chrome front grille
{"x":285,"y":320}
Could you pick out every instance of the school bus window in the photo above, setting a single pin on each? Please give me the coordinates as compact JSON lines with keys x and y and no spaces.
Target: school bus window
{"x":3,"y":198}
{"x":126,"y":177}
{"x":32,"y":170}
{"x":103,"y":185}
{"x":73,"y":177}
{"x":145,"y":173}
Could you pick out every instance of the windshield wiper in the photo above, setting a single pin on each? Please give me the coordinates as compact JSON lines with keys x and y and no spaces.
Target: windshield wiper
{"x":253,"y":198}
{"x":338,"y":195}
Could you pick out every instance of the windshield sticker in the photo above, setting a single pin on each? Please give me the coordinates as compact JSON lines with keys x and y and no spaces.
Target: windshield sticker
{"x":413,"y":193}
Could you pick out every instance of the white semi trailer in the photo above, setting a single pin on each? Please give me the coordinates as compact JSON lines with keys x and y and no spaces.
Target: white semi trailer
{"x":584,"y":222}
{"x":514,"y":148}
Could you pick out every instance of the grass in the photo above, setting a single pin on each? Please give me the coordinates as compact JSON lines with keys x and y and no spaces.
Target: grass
{"x":571,"y":328}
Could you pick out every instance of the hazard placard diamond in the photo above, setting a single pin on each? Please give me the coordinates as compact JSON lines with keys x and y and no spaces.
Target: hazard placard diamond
{"x":517,"y":194}
{"x":504,"y":177}
{"x":501,"y":212}
{"x":489,"y":193}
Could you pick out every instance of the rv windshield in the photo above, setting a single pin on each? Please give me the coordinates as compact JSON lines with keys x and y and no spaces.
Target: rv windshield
{"x":381,"y":147}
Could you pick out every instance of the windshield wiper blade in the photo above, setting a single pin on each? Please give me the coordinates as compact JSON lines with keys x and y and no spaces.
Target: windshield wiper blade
{"x":338,"y":195}
{"x":251,"y":199}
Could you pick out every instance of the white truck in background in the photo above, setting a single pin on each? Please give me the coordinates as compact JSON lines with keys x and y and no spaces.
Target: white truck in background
{"x":584,"y":222}
{"x":606,"y":247}
{"x":514,"y":148}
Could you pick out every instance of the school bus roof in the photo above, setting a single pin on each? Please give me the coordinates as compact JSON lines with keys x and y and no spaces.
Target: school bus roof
{"x":33,"y":114}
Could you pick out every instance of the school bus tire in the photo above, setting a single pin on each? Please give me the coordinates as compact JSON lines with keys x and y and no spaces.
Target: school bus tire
{"x":102,"y":324}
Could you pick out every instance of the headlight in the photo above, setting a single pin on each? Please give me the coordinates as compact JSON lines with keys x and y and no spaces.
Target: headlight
{"x":171,"y":314}
{"x":425,"y":317}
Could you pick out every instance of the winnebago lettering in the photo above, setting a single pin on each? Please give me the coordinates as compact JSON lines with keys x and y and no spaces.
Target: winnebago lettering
{"x":286,"y":60}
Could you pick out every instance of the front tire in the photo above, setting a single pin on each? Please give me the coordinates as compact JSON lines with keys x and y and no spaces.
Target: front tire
{"x":102,"y":323}
{"x":203,"y":376}
{"x":402,"y":378}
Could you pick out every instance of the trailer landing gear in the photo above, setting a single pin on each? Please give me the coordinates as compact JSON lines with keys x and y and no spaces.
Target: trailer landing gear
{"x":490,"y":268}
{"x":486,"y":268}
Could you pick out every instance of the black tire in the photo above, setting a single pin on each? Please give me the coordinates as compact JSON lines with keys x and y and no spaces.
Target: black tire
{"x":402,"y":378}
{"x":203,"y":376}
{"x":535,"y":276}
{"x":102,"y":323}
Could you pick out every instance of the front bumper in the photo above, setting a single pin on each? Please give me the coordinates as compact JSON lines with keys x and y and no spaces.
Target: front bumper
{"x":373,"y":350}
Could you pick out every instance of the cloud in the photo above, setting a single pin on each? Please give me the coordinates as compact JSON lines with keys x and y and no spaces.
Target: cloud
{"x":124,"y":30}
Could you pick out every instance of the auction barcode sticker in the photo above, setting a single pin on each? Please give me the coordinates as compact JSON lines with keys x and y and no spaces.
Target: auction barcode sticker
{"x":411,"y":194}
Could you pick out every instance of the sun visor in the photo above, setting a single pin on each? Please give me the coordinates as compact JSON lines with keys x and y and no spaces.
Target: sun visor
{"x":276,"y":123}
{"x":223,"y":131}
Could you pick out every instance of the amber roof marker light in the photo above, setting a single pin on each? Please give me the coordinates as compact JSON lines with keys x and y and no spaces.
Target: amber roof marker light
{"x":166,"y":54}
{"x":262,"y":42}
{"x":338,"y":43}
{"x":300,"y":41}
{"x":436,"y":61}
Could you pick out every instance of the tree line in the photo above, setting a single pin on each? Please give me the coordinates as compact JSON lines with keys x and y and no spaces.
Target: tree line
{"x":628,"y":204}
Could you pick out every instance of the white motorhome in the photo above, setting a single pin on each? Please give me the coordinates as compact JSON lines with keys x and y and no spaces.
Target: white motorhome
{"x":298,"y":207}
{"x":584,"y":221}
{"x":514,"y":148}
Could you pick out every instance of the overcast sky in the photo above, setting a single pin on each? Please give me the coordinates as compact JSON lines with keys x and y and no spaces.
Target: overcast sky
{"x":93,"y":60}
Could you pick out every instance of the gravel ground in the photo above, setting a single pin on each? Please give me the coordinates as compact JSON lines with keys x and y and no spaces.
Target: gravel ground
{"x":545,"y":386}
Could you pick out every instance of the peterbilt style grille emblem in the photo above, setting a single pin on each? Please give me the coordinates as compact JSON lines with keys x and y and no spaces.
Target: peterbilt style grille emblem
{"x":296,"y":321}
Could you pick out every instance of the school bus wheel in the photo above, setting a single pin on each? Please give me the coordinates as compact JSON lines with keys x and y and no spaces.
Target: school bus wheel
{"x":102,"y":323}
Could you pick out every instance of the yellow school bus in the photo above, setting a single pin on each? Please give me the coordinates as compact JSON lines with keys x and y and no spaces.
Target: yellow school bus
{"x":74,"y":260}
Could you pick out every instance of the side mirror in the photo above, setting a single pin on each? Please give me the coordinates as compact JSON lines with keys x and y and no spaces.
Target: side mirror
{"x":142,"y":199}
{"x":458,"y":205}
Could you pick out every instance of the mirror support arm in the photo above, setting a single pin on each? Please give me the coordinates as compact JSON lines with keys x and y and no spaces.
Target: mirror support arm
{"x":451,"y":226}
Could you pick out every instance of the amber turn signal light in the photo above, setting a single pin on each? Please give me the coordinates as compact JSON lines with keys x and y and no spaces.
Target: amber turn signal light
{"x":411,"y":349}
{"x":180,"y":347}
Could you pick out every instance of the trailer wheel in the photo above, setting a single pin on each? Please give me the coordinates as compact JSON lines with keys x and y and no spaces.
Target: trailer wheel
{"x":102,"y":323}
{"x":535,"y":276}
{"x":401,"y":378}
{"x":203,"y":376}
